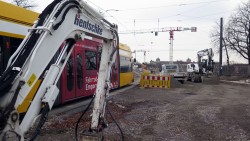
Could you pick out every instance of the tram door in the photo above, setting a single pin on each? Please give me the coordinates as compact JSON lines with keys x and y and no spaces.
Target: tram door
{"x":1,"y":55}
{"x":115,"y":74}
{"x":68,"y":79}
{"x":91,"y":77}
{"x":80,"y":75}
{"x":79,"y":60}
{"x":8,"y":46}
{"x":5,"y":52}
{"x":72,"y":78}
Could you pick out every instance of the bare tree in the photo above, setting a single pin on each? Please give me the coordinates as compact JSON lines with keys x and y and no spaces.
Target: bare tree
{"x":24,"y":3}
{"x":237,"y":32}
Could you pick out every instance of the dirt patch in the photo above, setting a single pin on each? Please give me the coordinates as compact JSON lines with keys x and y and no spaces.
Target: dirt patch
{"x":62,"y":127}
{"x":194,"y":112}
{"x":175,"y":83}
{"x":211,"y":80}
{"x":234,"y":78}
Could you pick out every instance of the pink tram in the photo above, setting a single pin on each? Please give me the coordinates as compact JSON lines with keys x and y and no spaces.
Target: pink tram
{"x":79,"y":77}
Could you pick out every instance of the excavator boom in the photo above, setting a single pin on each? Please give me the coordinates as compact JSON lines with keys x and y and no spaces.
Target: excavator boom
{"x":29,"y":70}
{"x":205,"y":65}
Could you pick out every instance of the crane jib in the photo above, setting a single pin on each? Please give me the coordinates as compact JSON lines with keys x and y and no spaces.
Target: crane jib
{"x":87,"y":25}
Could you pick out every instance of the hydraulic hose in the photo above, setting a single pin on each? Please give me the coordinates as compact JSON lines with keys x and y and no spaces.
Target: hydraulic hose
{"x":10,"y":74}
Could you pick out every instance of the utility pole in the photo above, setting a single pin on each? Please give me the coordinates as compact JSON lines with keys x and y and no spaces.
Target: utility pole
{"x":248,"y":46}
{"x":221,"y":38}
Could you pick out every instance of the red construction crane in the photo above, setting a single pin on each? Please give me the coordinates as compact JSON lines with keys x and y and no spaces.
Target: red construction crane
{"x":171,"y":31}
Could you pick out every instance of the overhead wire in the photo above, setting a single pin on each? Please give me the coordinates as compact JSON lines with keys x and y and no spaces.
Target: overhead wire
{"x":204,"y":3}
{"x":209,"y":15}
{"x":182,"y":4}
{"x":190,"y":18}
{"x":192,"y":9}
{"x":140,"y":20}
{"x":165,"y":50}
{"x":149,"y":20}
{"x":161,"y":18}
{"x":108,"y":14}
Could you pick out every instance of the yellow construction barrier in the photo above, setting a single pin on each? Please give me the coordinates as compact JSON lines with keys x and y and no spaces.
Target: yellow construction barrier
{"x":149,"y":80}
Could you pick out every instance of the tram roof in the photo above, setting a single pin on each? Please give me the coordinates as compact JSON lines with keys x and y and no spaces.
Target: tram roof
{"x":16,"y":14}
{"x":124,"y":47}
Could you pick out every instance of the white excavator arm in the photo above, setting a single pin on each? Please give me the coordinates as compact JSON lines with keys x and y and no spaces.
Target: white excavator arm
{"x":205,"y":52}
{"x":28,"y":69}
{"x":209,"y":61}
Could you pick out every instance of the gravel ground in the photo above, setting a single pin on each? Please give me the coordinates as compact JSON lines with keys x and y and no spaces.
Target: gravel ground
{"x":193,"y":112}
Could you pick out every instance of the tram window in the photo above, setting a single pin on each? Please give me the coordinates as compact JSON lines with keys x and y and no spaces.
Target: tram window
{"x":14,"y":43}
{"x":79,"y":71}
{"x":114,"y":68}
{"x":125,"y":64}
{"x":1,"y":56}
{"x":70,"y":74}
{"x":99,"y":56}
{"x":90,"y":60}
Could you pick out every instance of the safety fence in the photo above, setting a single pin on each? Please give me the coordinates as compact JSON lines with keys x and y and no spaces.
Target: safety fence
{"x":149,"y":80}
{"x":236,"y":69}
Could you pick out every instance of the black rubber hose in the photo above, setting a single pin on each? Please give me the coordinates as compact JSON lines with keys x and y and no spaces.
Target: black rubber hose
{"x":46,"y":109}
{"x":4,"y":113}
{"x":9,"y":75}
{"x":122,"y":136}
{"x":43,"y":119}
{"x":64,"y":14}
{"x":77,"y":123}
{"x":63,"y":6}
{"x":47,"y":11}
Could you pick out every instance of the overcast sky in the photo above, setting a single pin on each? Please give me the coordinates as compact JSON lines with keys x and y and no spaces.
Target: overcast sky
{"x":145,"y":14}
